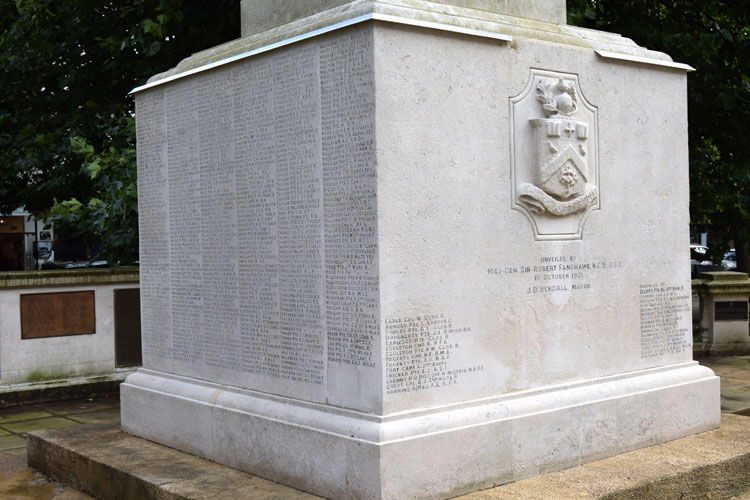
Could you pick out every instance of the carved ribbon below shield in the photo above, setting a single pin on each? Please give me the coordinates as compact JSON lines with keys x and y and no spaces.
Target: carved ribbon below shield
{"x":562,"y":185}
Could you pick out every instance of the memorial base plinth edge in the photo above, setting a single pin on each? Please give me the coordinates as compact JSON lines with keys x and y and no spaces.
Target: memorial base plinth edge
{"x":430,"y":453}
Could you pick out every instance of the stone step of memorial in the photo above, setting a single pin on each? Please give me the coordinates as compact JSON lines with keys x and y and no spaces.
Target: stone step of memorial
{"x":109,"y":464}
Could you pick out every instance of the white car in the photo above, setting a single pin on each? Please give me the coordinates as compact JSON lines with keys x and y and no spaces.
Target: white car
{"x":729,"y":262}
{"x":698,"y":255}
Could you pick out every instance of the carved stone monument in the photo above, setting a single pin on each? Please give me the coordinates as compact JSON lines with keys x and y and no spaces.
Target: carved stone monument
{"x":410,"y":249}
{"x":556,"y":180}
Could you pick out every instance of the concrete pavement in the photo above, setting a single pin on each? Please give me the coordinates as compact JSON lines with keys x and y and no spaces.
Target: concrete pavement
{"x":735,"y":382}
{"x":19,"y":482}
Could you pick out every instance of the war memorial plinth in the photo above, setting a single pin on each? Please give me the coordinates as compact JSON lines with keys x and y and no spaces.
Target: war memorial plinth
{"x":409,"y":249}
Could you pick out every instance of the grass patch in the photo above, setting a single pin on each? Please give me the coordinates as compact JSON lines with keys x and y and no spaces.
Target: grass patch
{"x":45,"y":376}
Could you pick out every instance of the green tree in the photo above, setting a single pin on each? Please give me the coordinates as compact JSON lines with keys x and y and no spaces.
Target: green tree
{"x":713,"y":36}
{"x":111,"y":215}
{"x":67,"y":68}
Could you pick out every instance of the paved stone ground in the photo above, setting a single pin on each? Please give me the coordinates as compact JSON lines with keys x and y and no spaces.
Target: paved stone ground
{"x":735,"y":382}
{"x":19,"y":482}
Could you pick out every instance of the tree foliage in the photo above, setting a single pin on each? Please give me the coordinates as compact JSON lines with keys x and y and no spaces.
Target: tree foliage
{"x":111,"y":215}
{"x":713,"y":36}
{"x":67,"y":68}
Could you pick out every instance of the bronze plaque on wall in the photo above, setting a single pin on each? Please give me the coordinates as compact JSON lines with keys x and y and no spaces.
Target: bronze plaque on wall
{"x":730,"y":310}
{"x":57,"y":314}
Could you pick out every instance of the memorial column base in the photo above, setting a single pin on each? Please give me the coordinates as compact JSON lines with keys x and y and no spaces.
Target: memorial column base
{"x":425,"y":453}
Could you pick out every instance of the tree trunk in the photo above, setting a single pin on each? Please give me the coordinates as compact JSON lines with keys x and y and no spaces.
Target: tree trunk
{"x":740,"y":249}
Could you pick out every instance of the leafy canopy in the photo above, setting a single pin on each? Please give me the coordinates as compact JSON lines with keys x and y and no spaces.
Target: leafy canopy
{"x":713,"y":36}
{"x":111,"y":216}
{"x":67,"y":68}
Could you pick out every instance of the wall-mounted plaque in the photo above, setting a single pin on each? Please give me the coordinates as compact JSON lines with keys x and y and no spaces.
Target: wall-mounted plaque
{"x":127,"y":327}
{"x":730,"y":311}
{"x":57,"y":314}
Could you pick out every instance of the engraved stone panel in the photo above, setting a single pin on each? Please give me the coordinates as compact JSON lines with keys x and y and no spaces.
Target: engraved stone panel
{"x":184,"y":222}
{"x":267,"y":176}
{"x":665,"y":326}
{"x":153,"y":209}
{"x":257,"y":228}
{"x":349,"y":180}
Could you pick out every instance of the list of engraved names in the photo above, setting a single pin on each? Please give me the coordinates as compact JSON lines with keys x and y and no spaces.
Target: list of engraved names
{"x":258,"y":196}
{"x":419,"y":350}
{"x":665,"y":319}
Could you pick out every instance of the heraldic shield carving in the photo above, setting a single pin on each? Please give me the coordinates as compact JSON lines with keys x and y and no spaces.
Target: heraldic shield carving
{"x":555,"y":168}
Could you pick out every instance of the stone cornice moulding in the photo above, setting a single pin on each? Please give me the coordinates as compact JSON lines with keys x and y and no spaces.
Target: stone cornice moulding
{"x":420,"y":13}
{"x":322,"y":31}
{"x":643,"y":60}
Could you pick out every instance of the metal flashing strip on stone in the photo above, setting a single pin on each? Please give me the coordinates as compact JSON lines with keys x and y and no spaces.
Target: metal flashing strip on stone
{"x":343,"y":24}
{"x":644,"y":60}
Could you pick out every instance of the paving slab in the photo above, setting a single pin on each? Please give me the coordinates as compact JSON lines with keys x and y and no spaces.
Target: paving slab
{"x":735,"y":361}
{"x":110,"y":464}
{"x":22,"y":414}
{"x":32,"y":485}
{"x":734,"y":399}
{"x":97,"y":417}
{"x":12,"y":442}
{"x":13,"y":460}
{"x":712,"y":465}
{"x":42,"y":423}
{"x":78,"y":407}
{"x":735,"y":382}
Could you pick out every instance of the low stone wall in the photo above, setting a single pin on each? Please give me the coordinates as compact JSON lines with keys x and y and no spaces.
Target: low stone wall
{"x":60,"y":325}
{"x":722,"y":319}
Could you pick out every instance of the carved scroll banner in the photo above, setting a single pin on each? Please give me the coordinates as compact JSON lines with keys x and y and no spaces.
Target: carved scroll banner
{"x":57,"y":314}
{"x":554,"y":163}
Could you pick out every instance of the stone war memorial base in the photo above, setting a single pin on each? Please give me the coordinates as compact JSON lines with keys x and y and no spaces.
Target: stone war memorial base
{"x":410,"y":249}
{"x":430,"y":453}
{"x":110,"y":464}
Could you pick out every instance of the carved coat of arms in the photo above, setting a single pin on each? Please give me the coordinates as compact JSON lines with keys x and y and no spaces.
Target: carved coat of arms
{"x":555,"y":167}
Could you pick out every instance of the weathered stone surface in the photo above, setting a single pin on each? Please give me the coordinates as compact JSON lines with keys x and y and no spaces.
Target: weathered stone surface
{"x":261,"y":15}
{"x":35,"y":279}
{"x":724,"y":313}
{"x":388,"y":262}
{"x":712,"y":465}
{"x":57,"y":390}
{"x":111,"y":464}
{"x":78,"y":359}
{"x":419,"y":11}
{"x":49,"y":367}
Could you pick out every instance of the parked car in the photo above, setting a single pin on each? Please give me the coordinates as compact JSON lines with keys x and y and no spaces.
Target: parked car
{"x":699,"y":261}
{"x":699,"y":258}
{"x":698,"y":255}
{"x":729,"y":262}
